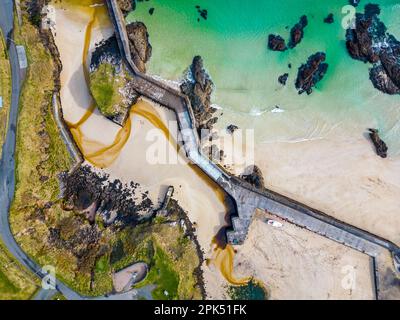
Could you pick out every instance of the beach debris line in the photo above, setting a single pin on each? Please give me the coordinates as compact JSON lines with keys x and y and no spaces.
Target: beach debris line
{"x":311,"y":72}
{"x":380,"y":145}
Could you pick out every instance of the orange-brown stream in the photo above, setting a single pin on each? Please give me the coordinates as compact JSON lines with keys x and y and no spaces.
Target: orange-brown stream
{"x":95,"y":152}
{"x":101,"y":155}
{"x":223,"y":260}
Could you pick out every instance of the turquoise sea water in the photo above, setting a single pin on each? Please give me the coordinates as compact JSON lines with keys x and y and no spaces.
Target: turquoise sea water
{"x":233,"y":44}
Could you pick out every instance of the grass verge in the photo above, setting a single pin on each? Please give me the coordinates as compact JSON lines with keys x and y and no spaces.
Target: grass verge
{"x":16,"y":283}
{"x":5,"y":90}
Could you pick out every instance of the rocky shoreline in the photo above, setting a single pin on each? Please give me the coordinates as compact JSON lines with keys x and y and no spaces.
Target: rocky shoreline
{"x":198,"y":86}
{"x":371,"y":43}
{"x":92,"y":193}
{"x":140,"y":46}
{"x":107,"y":53}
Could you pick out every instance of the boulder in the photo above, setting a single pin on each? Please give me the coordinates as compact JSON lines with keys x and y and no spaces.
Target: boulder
{"x":283,"y":78}
{"x":311,"y":72}
{"x":297,"y":32}
{"x":198,"y":86}
{"x":139,"y":44}
{"x":254,"y":177}
{"x":329,"y":19}
{"x":276,"y":43}
{"x":381,"y":147}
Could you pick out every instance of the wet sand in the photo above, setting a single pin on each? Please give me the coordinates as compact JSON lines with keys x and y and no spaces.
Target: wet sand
{"x":342,"y":177}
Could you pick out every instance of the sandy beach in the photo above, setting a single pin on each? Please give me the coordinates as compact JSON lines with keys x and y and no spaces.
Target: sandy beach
{"x":198,"y":196}
{"x":71,"y":24}
{"x":297,"y":264}
{"x":293,"y":263}
{"x":342,"y":177}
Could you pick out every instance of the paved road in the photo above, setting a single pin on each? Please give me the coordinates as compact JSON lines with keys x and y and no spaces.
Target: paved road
{"x":7,"y":162}
{"x":7,"y":177}
{"x":44,"y":294}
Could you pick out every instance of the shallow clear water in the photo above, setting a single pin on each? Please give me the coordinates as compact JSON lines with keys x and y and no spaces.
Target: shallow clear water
{"x":233,"y":44}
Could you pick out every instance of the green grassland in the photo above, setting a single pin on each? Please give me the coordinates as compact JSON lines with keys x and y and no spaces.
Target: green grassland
{"x":37,"y":209}
{"x":5,"y":89}
{"x":40,"y":156}
{"x":16,"y":283}
{"x":105,"y":86}
{"x":171,"y":257}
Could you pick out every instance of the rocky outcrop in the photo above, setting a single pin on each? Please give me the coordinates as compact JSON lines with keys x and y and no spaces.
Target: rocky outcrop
{"x":198,"y":86}
{"x":231,"y":128}
{"x":381,"y":80}
{"x":283,"y":78}
{"x":139,"y":44}
{"x":107,"y":70}
{"x":106,"y":51}
{"x":329,"y":19}
{"x":255,"y":177}
{"x":276,"y":43}
{"x":126,"y":6}
{"x":297,"y":32}
{"x":359,"y":41}
{"x":354,"y":3}
{"x":84,"y":188}
{"x":369,"y":42}
{"x":311,"y":72}
{"x":380,"y":146}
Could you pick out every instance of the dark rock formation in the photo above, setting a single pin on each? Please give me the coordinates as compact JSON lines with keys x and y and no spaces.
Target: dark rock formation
{"x":232,"y":128}
{"x":370,"y":42}
{"x":276,"y":43}
{"x":354,"y":3}
{"x":382,"y":81}
{"x":329,"y":19}
{"x":126,"y":6}
{"x":283,"y":78}
{"x":311,"y":72}
{"x":359,"y":41}
{"x":106,"y":51}
{"x":84,"y":187}
{"x":255,"y":177}
{"x":199,"y":87}
{"x":203,"y":13}
{"x":381,"y":147}
{"x":139,"y":44}
{"x":297,"y":32}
